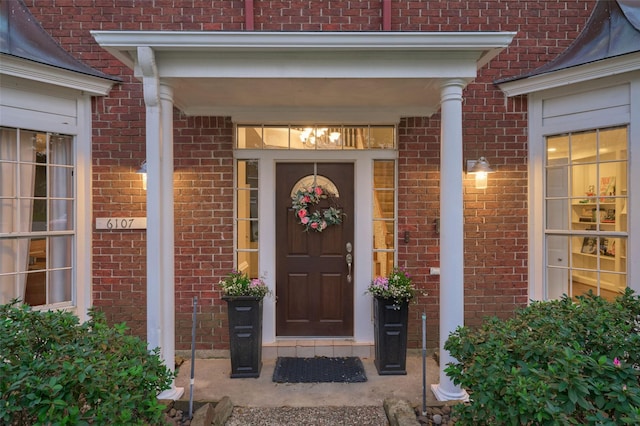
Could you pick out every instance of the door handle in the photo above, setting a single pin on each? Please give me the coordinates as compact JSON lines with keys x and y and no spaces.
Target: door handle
{"x":349,"y":259}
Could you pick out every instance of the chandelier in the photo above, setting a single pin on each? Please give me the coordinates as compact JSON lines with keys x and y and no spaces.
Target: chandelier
{"x":320,"y":136}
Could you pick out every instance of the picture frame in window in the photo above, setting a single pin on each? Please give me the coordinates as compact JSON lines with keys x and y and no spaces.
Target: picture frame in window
{"x":607,"y":187}
{"x":589,"y":245}
{"x":607,"y":247}
{"x":610,"y":217}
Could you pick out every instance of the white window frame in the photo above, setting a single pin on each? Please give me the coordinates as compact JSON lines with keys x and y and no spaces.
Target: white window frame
{"x":541,"y":127}
{"x":50,"y":109}
{"x":48,"y":234}
{"x":394,"y":220}
{"x":564,"y":228}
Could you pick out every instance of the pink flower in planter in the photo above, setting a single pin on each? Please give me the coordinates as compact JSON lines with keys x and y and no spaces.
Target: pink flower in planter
{"x":616,"y":362}
{"x":397,"y":285}
{"x":381,"y":282}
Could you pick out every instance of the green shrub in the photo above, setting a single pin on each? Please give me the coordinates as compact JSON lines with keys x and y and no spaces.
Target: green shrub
{"x":56,"y":371}
{"x":557,"y":362}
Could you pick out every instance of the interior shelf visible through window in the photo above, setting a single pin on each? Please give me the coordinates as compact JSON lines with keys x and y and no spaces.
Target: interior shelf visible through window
{"x":586,"y":221}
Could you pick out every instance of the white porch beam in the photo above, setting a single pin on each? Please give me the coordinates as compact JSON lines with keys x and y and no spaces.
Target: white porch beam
{"x":451,"y":232}
{"x":385,"y":75}
{"x":160,"y":226}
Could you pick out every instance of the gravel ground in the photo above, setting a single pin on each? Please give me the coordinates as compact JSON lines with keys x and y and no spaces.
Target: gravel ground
{"x":308,"y":416}
{"x":313,"y":416}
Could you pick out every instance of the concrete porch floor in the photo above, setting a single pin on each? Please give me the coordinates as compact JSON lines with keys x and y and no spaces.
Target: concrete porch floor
{"x":212,"y":382}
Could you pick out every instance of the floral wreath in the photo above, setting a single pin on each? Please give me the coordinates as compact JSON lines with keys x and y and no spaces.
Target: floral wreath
{"x":317,"y":220}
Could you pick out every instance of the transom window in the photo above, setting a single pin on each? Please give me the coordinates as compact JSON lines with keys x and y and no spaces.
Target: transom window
{"x":37,"y":226}
{"x":315,"y":137}
{"x":586,"y":212}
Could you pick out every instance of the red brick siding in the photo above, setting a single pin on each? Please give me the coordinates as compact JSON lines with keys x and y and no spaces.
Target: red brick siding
{"x":204,"y":226}
{"x":495,"y":219}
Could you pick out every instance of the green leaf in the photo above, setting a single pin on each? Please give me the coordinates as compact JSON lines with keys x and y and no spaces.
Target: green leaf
{"x":552,"y":363}
{"x":48,"y":358}
{"x":573,"y":397}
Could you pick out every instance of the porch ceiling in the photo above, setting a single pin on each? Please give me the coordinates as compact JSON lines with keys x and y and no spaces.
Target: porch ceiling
{"x":262,"y":77}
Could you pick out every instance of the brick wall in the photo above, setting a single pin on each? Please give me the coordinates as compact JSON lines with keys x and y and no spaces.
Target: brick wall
{"x":204,"y":226}
{"x":495,"y":218}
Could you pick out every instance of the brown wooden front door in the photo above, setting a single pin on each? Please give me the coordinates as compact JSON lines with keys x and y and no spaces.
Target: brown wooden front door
{"x":314,"y":293}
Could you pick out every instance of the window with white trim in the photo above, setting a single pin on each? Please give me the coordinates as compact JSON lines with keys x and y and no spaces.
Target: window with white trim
{"x":247,"y":217}
{"x":319,"y":137}
{"x":586,"y":220}
{"x":384,"y":216}
{"x":37,"y":224}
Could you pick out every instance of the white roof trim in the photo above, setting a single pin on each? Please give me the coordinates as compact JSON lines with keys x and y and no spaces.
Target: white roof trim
{"x":605,"y":68}
{"x":120,"y":43}
{"x":489,"y":42}
{"x":30,"y":70}
{"x":266,"y":75}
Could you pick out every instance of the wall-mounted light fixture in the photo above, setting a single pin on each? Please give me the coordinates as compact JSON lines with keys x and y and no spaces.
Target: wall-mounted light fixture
{"x":143,"y":171}
{"x":480,"y":168}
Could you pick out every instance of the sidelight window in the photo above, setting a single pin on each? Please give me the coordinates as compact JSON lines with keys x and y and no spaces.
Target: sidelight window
{"x":247,"y":217}
{"x":384,"y":216}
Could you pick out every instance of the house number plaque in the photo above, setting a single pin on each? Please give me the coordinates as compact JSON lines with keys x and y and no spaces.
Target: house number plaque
{"x":115,"y":223}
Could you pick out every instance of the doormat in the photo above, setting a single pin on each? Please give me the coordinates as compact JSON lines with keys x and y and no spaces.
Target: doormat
{"x":319,"y":370}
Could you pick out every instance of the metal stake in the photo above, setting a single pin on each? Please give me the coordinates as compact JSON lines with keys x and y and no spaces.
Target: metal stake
{"x":424,"y":364}
{"x":193,"y":357}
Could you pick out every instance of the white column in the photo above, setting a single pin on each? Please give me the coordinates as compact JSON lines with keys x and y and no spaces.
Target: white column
{"x":167,"y":244}
{"x":160,"y":226}
{"x":451,"y":231}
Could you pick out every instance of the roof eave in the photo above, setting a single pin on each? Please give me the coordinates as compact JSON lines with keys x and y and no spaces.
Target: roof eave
{"x":122,"y":44}
{"x":210,"y":72}
{"x":599,"y":69}
{"x":30,"y":70}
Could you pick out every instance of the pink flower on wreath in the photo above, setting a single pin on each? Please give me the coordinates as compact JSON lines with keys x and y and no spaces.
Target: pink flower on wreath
{"x":616,"y":362}
{"x":318,"y":190}
{"x":302,"y":213}
{"x":314,"y":225}
{"x":304,"y":220}
{"x":323,"y":225}
{"x":306,"y":199}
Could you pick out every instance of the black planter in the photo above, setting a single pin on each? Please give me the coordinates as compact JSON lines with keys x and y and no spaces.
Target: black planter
{"x":390,"y":325}
{"x":245,"y":335}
